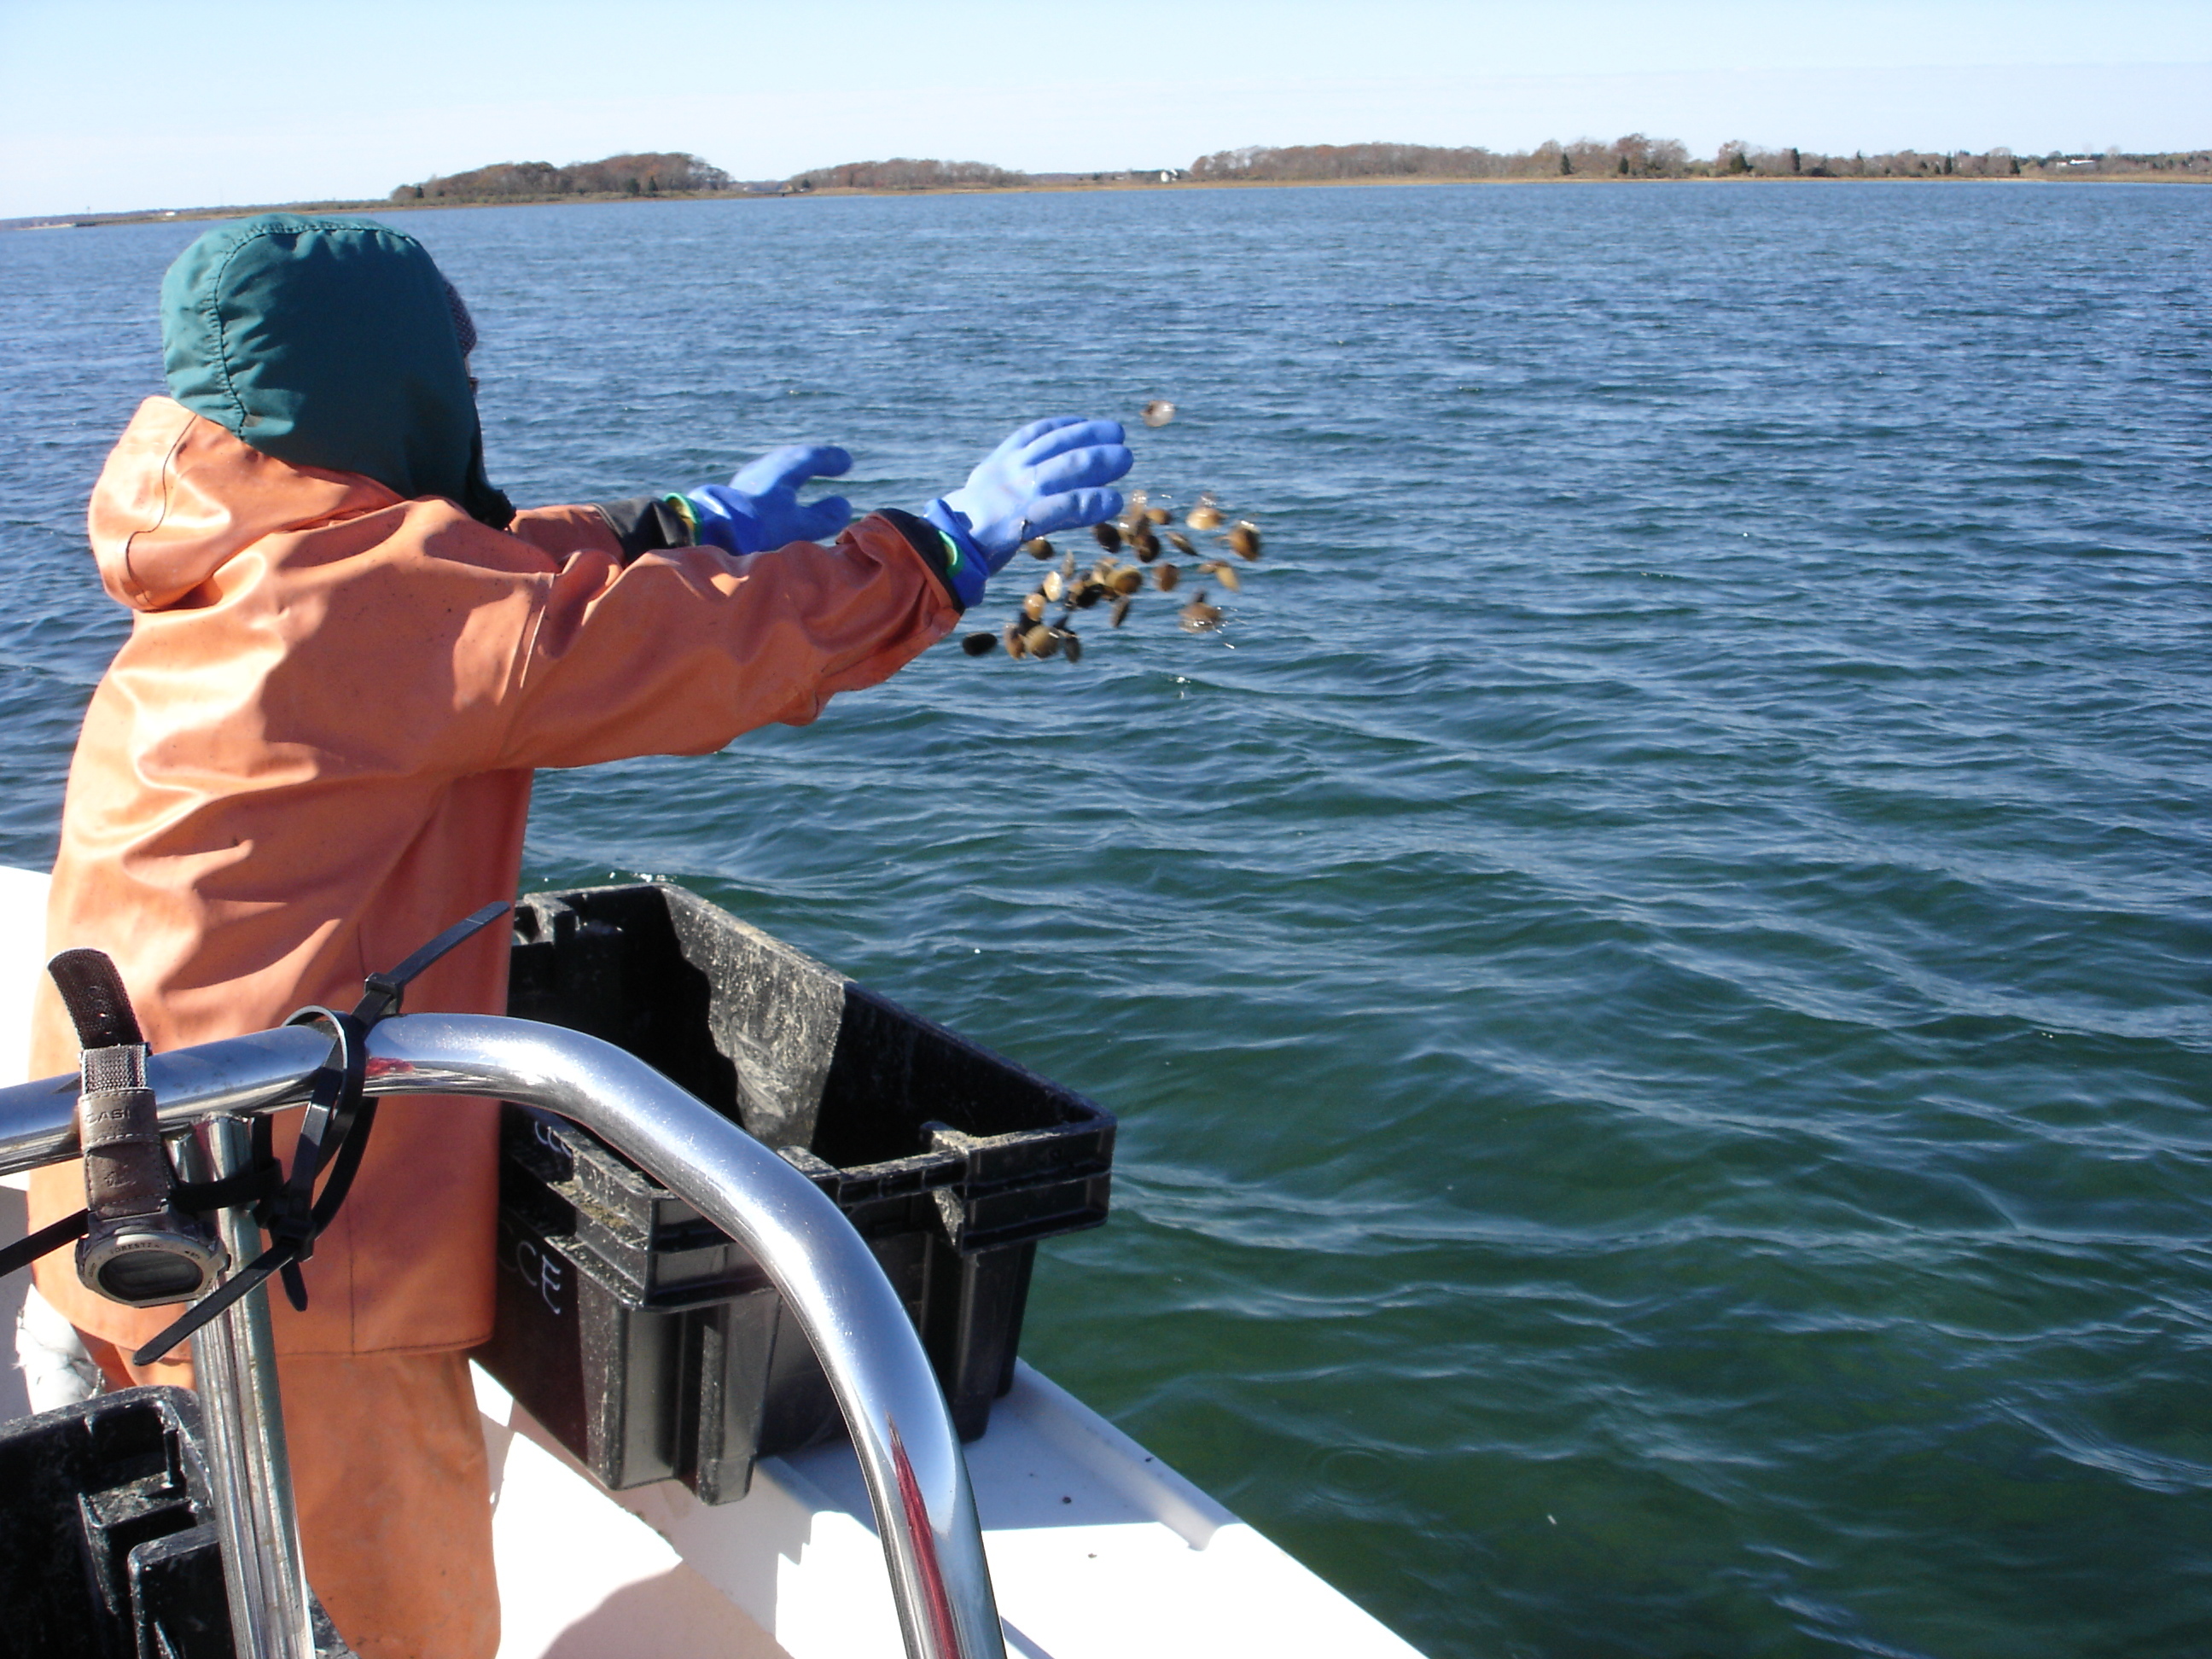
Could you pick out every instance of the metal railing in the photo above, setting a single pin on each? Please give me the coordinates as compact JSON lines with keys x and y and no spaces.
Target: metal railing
{"x":242,"y":1410}
{"x":917,"y":1477}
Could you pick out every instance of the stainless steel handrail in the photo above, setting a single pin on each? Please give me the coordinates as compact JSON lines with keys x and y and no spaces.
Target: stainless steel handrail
{"x":242,"y":1411}
{"x":909,"y":1454}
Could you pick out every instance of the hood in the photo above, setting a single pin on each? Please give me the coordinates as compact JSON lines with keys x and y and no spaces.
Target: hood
{"x":179,"y":497}
{"x":329,"y":343}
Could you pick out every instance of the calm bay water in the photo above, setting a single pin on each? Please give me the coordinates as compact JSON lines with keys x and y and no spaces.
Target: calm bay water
{"x":1654,"y":978}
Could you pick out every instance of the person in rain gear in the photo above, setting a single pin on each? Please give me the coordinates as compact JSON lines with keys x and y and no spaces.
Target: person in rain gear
{"x":347,"y":654}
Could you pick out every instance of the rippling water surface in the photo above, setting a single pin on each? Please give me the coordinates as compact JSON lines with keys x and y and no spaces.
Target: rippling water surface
{"x":1655,"y":977}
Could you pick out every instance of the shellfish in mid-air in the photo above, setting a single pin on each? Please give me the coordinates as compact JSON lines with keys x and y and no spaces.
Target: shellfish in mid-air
{"x":1133,"y":546}
{"x":1198,"y":616}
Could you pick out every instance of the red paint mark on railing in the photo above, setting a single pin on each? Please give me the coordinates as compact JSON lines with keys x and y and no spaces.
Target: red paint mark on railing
{"x":939,"y":1604}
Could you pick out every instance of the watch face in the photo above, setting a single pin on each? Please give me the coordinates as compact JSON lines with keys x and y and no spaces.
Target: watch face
{"x":149,"y":1267}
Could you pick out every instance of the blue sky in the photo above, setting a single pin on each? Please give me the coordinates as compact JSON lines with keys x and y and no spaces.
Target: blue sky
{"x":110,"y":106}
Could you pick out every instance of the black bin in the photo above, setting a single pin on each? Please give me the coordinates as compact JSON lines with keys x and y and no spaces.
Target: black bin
{"x":673,"y":1355}
{"x":601,"y":1363}
{"x":107,"y":1537}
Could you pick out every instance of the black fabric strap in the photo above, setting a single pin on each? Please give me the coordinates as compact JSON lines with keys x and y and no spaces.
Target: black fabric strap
{"x":926,"y":540}
{"x":99,"y":1007}
{"x":645,"y":524}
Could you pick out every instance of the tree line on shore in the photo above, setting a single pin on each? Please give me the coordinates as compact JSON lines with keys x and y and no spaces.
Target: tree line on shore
{"x":900,"y":173}
{"x":1632,"y":157}
{"x":662,"y":173}
{"x":1635,"y":156}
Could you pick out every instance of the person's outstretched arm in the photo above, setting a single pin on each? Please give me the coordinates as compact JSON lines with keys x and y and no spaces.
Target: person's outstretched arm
{"x":648,"y":642}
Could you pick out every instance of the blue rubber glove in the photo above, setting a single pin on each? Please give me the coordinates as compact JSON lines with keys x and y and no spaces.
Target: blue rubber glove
{"x":1047,"y":476}
{"x":760,"y":508}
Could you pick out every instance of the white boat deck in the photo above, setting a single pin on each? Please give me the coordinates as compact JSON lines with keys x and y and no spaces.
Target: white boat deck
{"x":1098,"y":1550}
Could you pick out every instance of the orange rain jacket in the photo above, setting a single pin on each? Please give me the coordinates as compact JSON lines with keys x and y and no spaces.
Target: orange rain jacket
{"x":314,"y":752}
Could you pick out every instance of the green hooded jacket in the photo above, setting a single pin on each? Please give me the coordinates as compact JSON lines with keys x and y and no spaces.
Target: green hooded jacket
{"x":329,"y":343}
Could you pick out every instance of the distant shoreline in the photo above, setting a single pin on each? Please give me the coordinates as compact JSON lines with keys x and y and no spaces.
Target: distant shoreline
{"x":156,"y":216}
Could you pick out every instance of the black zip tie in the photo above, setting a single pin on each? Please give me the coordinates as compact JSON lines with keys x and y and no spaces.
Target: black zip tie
{"x":216,"y":1302}
{"x":249,"y":1186}
{"x":24,"y":1251}
{"x":385,"y":990}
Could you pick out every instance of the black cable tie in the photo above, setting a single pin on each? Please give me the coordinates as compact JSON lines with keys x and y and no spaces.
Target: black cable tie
{"x":345,"y":1166}
{"x":384,"y":990}
{"x":24,"y":1251}
{"x":215,"y":1304}
{"x":334,"y":1108}
{"x":248,"y":1186}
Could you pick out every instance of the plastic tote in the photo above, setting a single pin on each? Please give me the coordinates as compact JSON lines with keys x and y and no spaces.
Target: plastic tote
{"x":645,"y":1340}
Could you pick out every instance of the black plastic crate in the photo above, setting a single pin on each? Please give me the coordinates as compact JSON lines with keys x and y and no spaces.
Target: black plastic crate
{"x":566,"y":1182}
{"x":568,"y":1179}
{"x":608,"y":1369}
{"x":591,"y":1324}
{"x":806,"y":1059}
{"x":950,"y":1161}
{"x":761,"y":1392}
{"x":107,"y":1538}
